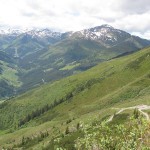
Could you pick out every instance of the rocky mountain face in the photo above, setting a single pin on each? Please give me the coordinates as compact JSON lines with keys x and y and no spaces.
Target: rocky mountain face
{"x":105,"y":34}
{"x":43,"y":55}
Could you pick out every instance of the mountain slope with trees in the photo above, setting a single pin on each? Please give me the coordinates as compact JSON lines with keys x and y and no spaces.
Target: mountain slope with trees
{"x":45,"y":56}
{"x":9,"y":80}
{"x":56,"y":110}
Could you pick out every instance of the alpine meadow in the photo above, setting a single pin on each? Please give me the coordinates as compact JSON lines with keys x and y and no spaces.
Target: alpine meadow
{"x":71,"y":81}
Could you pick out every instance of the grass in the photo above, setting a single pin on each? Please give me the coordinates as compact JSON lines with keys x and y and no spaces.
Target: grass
{"x":10,"y":74}
{"x":112,"y":84}
{"x":70,"y":66}
{"x":38,"y":62}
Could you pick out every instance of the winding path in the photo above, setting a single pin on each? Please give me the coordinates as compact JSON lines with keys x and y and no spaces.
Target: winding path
{"x":139,"y":107}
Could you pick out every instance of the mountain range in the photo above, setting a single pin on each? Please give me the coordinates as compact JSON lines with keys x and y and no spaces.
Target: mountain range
{"x":83,"y":90}
{"x":108,"y":105}
{"x":41,"y":55}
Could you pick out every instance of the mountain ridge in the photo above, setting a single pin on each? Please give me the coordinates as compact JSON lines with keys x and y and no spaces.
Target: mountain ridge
{"x":89,"y":97}
{"x":49,"y":32}
{"x":44,"y":55}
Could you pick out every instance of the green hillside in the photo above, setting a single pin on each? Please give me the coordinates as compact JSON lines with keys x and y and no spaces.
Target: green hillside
{"x":35,"y":118}
{"x":44,"y":56}
{"x":9,"y":80}
{"x":53,"y":63}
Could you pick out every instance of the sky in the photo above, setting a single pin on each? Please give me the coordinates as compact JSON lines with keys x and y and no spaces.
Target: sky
{"x":132,"y":16}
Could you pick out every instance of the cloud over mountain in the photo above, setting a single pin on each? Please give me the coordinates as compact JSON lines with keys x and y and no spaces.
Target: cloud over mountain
{"x":65,"y":15}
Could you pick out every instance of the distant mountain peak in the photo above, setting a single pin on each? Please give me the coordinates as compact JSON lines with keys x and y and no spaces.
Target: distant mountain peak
{"x":105,"y":34}
{"x":44,"y":33}
{"x":34,"y":33}
{"x":104,"y":26}
{"x":10,"y":32}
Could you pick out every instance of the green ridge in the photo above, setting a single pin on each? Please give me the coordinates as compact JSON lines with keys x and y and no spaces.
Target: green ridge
{"x":117,"y":83}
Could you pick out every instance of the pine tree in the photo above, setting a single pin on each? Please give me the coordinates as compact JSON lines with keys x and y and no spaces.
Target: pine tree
{"x":67,"y":130}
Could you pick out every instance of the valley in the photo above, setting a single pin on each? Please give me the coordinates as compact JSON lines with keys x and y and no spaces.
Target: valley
{"x":74,"y":75}
{"x":44,"y":55}
{"x":59,"y":114}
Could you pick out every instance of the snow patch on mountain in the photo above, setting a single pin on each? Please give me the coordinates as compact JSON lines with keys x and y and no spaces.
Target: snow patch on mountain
{"x":44,"y":33}
{"x":10,"y":32}
{"x":104,"y":33}
{"x":35,"y":33}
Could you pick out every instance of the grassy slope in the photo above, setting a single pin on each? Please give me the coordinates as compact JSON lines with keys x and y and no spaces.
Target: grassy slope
{"x":8,"y":75}
{"x":84,"y":53}
{"x":116,"y":83}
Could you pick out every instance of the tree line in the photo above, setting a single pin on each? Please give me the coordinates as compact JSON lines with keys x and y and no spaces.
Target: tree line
{"x":39,"y":112}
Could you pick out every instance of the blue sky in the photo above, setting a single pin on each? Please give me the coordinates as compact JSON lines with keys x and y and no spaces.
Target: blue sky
{"x":65,"y":15}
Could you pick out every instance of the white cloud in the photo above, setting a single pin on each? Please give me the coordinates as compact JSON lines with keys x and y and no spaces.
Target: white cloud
{"x":145,"y":35}
{"x":65,"y":15}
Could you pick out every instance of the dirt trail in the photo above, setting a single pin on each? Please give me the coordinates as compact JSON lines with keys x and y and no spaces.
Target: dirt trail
{"x":145,"y":114}
{"x":139,"y":107}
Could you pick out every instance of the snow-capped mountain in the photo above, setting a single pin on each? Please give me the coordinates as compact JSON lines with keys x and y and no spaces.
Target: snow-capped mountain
{"x":35,"y":33}
{"x":44,"y":54}
{"x":11,"y":32}
{"x":105,"y":34}
{"x":44,"y":33}
{"x":27,"y":39}
{"x":36,"y":39}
